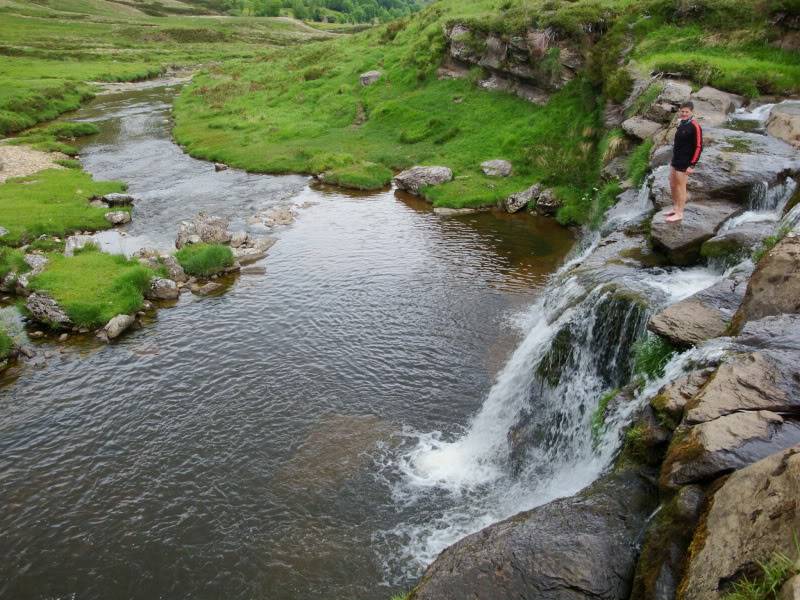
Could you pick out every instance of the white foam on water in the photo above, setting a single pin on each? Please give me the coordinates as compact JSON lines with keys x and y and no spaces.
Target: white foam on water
{"x":757,"y":113}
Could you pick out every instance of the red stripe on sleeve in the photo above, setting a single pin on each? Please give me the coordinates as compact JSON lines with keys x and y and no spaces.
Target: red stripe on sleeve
{"x":698,"y":148}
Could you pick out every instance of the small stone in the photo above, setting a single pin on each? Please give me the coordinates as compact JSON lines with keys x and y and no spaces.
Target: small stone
{"x":369,"y":77}
{"x":220,"y":167}
{"x":118,"y":199}
{"x":36,"y":334}
{"x":63,"y":337}
{"x":414,"y":179}
{"x":496,"y":168}
{"x":518,"y":201}
{"x":239,"y":238}
{"x":118,"y":217}
{"x":117,"y":325}
{"x":208,"y":288}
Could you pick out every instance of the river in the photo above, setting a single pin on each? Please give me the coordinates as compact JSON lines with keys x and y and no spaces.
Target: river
{"x":251,"y":444}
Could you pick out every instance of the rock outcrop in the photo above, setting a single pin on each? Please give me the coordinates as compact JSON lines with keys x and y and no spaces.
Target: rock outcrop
{"x":682,"y":241}
{"x":640,"y":127}
{"x":46,"y":310}
{"x":733,"y":244}
{"x":572,"y":548}
{"x":203,"y":229}
{"x":414,"y":179}
{"x":784,"y":122}
{"x":752,"y":516}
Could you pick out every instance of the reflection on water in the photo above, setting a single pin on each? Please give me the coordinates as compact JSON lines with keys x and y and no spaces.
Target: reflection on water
{"x":226,"y":448}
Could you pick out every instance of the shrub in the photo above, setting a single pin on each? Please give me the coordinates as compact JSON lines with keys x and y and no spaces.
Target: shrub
{"x":204,"y":260}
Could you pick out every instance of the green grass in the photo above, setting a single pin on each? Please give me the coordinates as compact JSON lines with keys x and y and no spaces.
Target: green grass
{"x":204,"y":260}
{"x":365,"y":176}
{"x":775,"y":571}
{"x":651,"y":355}
{"x":6,"y":344}
{"x":53,"y":202}
{"x":639,"y":162}
{"x":599,"y":415}
{"x":93,"y":287}
{"x":12,"y":260}
{"x":768,"y":243}
{"x":53,"y":138}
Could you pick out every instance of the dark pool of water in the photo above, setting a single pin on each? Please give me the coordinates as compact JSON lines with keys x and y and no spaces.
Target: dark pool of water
{"x":227,"y":449}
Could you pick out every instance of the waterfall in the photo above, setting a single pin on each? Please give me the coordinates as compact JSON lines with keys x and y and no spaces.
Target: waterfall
{"x":531,"y":440}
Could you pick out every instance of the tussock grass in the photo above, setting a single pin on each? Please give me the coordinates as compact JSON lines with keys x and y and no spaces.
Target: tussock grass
{"x":204,"y":260}
{"x":775,"y":571}
{"x":651,"y":355}
{"x":53,"y":202}
{"x":6,"y":344}
{"x":93,"y":287}
{"x":639,"y":162}
{"x":12,"y":260}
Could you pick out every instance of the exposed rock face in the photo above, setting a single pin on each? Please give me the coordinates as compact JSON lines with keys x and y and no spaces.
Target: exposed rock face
{"x":369,"y":77}
{"x":203,"y":228}
{"x":673,"y":397}
{"x":712,"y":106}
{"x":46,"y":310}
{"x":572,"y":548}
{"x":518,"y":201}
{"x":118,"y":217}
{"x":496,"y":168}
{"x":681,"y":241}
{"x":163,"y":289}
{"x":672,"y":94}
{"x":706,"y":451}
{"x":174,"y":269}
{"x":239,"y":238}
{"x":738,"y":241}
{"x":774,"y":287}
{"x":754,"y":514}
{"x":414,"y":179}
{"x":547,"y":204}
{"x":641,"y":128}
{"x":731,"y":164}
{"x":784,"y":122}
{"x":790,"y":589}
{"x":702,"y":316}
{"x":116,"y":326}
{"x":116,"y":199}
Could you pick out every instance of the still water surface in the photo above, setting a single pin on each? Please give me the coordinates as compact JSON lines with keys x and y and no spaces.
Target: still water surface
{"x":240,"y":446}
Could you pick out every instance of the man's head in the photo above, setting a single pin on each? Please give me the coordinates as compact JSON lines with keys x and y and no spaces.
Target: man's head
{"x":686,"y":110}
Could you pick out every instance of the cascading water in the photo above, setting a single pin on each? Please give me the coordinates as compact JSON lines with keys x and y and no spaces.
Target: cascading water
{"x":531,"y":441}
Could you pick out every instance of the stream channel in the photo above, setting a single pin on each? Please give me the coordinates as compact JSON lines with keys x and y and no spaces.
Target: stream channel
{"x":256,"y":444}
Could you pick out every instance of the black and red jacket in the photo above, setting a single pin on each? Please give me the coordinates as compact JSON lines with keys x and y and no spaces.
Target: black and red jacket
{"x":688,"y":144}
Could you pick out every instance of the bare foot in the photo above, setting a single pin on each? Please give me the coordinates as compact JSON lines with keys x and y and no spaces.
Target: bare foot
{"x":669,"y":213}
{"x":674,"y":218}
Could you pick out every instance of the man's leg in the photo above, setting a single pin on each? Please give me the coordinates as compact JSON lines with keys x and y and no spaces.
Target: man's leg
{"x":679,"y":194}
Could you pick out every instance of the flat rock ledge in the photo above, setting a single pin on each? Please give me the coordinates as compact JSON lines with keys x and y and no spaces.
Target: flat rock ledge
{"x":414,"y":179}
{"x":681,"y":241}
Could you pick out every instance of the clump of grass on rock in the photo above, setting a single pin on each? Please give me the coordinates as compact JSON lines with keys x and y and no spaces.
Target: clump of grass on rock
{"x":93,"y":287}
{"x":205,"y":260}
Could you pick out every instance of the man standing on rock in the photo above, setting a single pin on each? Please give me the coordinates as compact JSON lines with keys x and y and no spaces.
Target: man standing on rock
{"x":685,"y":154}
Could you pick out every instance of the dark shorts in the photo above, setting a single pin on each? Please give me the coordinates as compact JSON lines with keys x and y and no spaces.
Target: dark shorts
{"x":680,"y":167}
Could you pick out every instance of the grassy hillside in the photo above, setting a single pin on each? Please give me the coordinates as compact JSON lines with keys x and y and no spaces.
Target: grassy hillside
{"x":50,"y":50}
{"x":305,"y":111}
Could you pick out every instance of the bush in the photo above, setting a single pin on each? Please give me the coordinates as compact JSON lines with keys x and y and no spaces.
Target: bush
{"x":204,"y":260}
{"x":651,"y":355}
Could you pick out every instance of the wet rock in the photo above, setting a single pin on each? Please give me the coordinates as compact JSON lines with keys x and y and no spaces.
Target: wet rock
{"x":207,"y":289}
{"x":239,"y":238}
{"x":735,"y":243}
{"x":682,"y":241}
{"x":116,"y":326}
{"x":46,"y":310}
{"x":664,"y":552}
{"x":641,"y":128}
{"x":577,"y":547}
{"x":254,"y":270}
{"x":704,"y":452}
{"x":617,"y":168}
{"x":548,"y":203}
{"x":518,"y":201}
{"x":254,"y":251}
{"x":116,"y":199}
{"x":732,"y":163}
{"x":453,"y":212}
{"x":414,"y":179}
{"x":369,"y":77}
{"x":496,"y":168}
{"x":662,"y":155}
{"x":748,"y":382}
{"x":220,"y":167}
{"x":162,"y":289}
{"x":752,"y":516}
{"x":774,"y":287}
{"x":673,"y":397}
{"x":174,"y":269}
{"x":203,"y":228}
{"x":118,"y":217}
{"x":784,"y":122}
{"x":702,"y":316}
{"x":278,"y":216}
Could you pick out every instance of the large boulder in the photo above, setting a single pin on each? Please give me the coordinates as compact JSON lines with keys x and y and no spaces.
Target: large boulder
{"x":730,"y":245}
{"x":671,"y":399}
{"x":671,"y":96}
{"x":703,"y":452}
{"x":784,"y":122}
{"x":712,"y":106}
{"x":701,"y":316}
{"x":574,"y":548}
{"x":681,"y":241}
{"x":518,"y":201}
{"x":774,"y":287}
{"x":163,"y":289}
{"x":46,"y":310}
{"x":414,"y":179}
{"x":116,"y":199}
{"x":641,"y":128}
{"x":548,"y":203}
{"x":203,"y":228}
{"x":732,"y":163}
{"x":751,"y":517}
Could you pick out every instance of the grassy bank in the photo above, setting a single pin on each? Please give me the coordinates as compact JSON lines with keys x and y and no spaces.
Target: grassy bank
{"x":305,"y":111}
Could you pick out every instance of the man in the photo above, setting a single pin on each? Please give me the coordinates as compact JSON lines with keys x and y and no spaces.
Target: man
{"x":685,"y":154}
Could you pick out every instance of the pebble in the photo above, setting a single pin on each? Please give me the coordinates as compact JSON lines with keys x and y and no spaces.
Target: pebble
{"x":63,"y":337}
